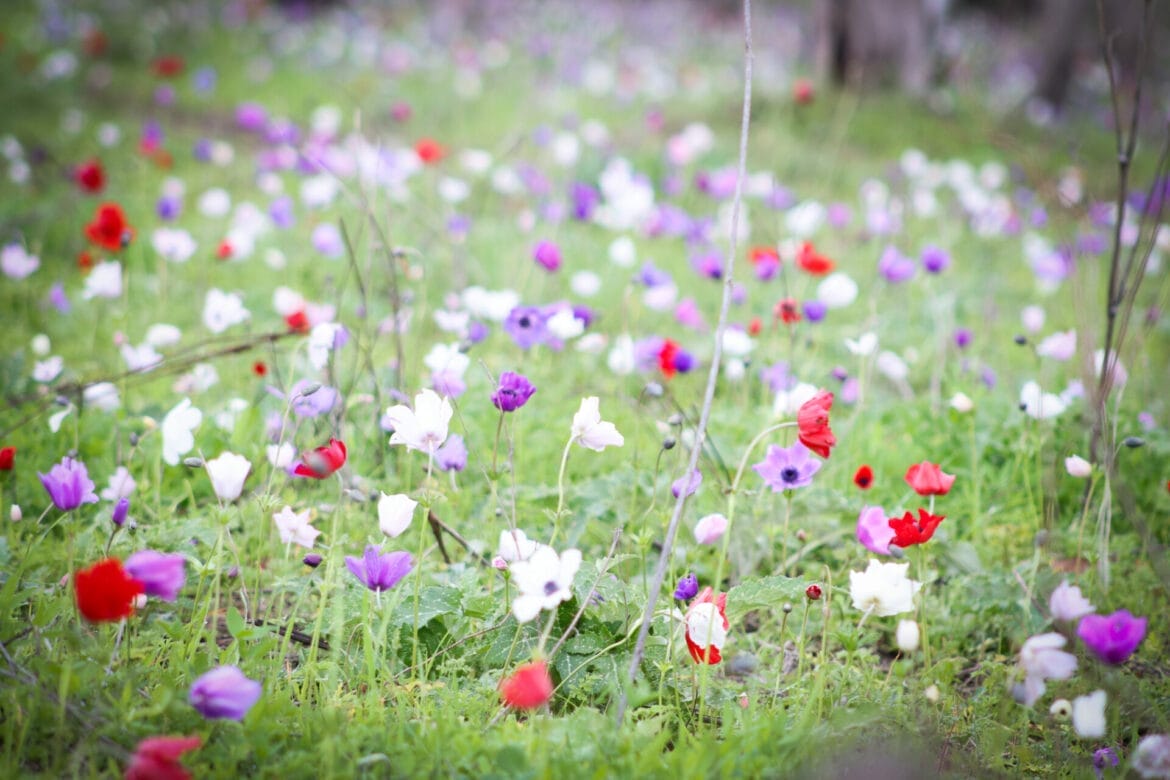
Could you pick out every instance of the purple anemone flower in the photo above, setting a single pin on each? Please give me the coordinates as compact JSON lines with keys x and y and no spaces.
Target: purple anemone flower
{"x":452,"y":456}
{"x":690,"y":485}
{"x":935,"y":260}
{"x":224,"y":692}
{"x":894,"y":266}
{"x":379,"y":571}
{"x":68,"y":485}
{"x":512,"y":392}
{"x":162,"y":574}
{"x":688,"y":588}
{"x":785,"y":468}
{"x":527,"y":325}
{"x":1112,"y":638}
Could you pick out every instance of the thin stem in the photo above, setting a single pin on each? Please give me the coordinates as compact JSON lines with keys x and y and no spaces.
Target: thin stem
{"x":560,"y":491}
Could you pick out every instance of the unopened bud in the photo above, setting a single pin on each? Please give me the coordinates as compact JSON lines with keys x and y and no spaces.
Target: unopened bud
{"x":133,"y":439}
{"x":499,"y":563}
{"x":15,"y":514}
{"x":309,"y":389}
{"x":896,"y":552}
{"x":675,"y":419}
{"x":193,"y":463}
{"x":813,"y":592}
{"x":1133,"y":442}
{"x":1061,"y":709}
{"x":120,"y":510}
{"x":787,"y":607}
{"x":1021,"y":339}
{"x":312,"y":560}
{"x":668,"y":443}
{"x":801,"y":535}
{"x":653,"y":389}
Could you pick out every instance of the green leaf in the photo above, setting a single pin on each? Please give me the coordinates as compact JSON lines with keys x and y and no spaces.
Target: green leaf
{"x":763,"y":593}
{"x":433,"y":601}
{"x":235,"y":622}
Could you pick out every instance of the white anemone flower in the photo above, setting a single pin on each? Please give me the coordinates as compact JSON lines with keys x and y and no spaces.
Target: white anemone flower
{"x":590,"y":431}
{"x":227,"y":474}
{"x":176,"y":431}
{"x":423,"y":428}
{"x":544,"y":581}
{"x":883,"y":589}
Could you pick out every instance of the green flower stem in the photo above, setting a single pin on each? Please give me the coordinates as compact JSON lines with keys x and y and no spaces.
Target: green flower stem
{"x":561,"y":491}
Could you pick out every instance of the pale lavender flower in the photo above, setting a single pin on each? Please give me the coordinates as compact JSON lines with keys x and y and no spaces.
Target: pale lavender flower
{"x":379,"y":571}
{"x":452,"y":456}
{"x":1042,"y":659}
{"x":162,"y":574}
{"x":691,"y":485}
{"x":787,"y":468}
{"x":224,"y":692}
{"x":68,"y":485}
{"x":1068,"y":603}
{"x":894,"y":266}
{"x":873,"y":530}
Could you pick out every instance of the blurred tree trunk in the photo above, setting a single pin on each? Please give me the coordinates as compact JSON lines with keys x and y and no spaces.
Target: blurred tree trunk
{"x":866,"y":42}
{"x":1070,"y":33}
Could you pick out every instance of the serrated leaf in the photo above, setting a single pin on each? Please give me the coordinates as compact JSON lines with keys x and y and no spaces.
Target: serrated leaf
{"x":763,"y":593}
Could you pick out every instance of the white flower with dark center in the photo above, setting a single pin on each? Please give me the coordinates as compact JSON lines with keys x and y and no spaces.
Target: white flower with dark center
{"x":544,"y":581}
{"x":423,"y":428}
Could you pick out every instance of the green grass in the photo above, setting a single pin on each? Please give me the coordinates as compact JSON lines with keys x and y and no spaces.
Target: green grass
{"x":409,"y":686}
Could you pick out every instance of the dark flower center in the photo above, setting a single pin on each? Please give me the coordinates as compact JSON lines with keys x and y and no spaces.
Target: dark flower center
{"x":790,"y":474}
{"x":551,"y":587}
{"x":525,"y":322}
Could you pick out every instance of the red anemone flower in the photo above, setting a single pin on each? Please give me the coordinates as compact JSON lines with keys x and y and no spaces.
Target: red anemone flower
{"x":812,"y":262}
{"x":323,"y":461}
{"x":908,"y":531}
{"x":755,"y":326}
{"x":298,"y":322}
{"x":812,"y":420}
{"x":7,"y":458}
{"x":928,"y":479}
{"x":105,"y":592}
{"x":109,"y":228}
{"x":763,"y":254}
{"x":787,"y":311}
{"x":89,"y":176}
{"x":165,"y":67}
{"x":429,"y":150}
{"x":157,"y":758}
{"x":707,"y":626}
{"x":529,"y":687}
{"x":259,"y":368}
{"x":224,"y":250}
{"x":666,"y":357}
{"x":863,"y":478}
{"x":85,"y":261}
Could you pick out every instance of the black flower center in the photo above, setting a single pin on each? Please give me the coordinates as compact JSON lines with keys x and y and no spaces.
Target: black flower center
{"x":525,"y":322}
{"x":551,"y":587}
{"x":790,"y":474}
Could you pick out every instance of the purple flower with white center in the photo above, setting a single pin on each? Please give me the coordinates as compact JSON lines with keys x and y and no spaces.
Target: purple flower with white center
{"x":1112,"y":638}
{"x":379,"y":571}
{"x":873,"y":530}
{"x":935,"y":260}
{"x":121,"y":509}
{"x":895,"y":267}
{"x":224,"y":692}
{"x":162,"y":574}
{"x":68,"y":485}
{"x":452,"y":456}
{"x":528,"y":326}
{"x":814,"y":311}
{"x":547,"y":255}
{"x":963,"y":338}
{"x":691,"y":485}
{"x":786,"y":468}
{"x":512,"y":391}
{"x":688,"y":588}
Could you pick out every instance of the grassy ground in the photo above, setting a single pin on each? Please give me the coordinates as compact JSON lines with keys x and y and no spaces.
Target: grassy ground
{"x":407,"y":684}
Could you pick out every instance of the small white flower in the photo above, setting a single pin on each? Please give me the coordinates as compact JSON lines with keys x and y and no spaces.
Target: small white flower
{"x":121,"y":485}
{"x":423,"y":428}
{"x":222,"y":310}
{"x":1040,"y":405}
{"x":788,"y":402}
{"x":516,"y":546}
{"x":163,"y":335}
{"x":447,"y":359}
{"x":590,"y":431}
{"x":227,"y":474}
{"x":215,"y":202}
{"x":47,"y":370}
{"x":1042,"y":659}
{"x":622,"y":252}
{"x":281,"y":456}
{"x":1088,"y":715}
{"x":621,"y":359}
{"x":892,"y":366}
{"x":1151,"y":758}
{"x":492,"y":305}
{"x":140,"y":358}
{"x":176,"y":431}
{"x":837,"y":290}
{"x":1032,"y":318}
{"x":295,"y":527}
{"x":543,"y":581}
{"x":962,"y":403}
{"x":104,"y":281}
{"x":585,"y":283}
{"x":174,"y":244}
{"x":1078,"y":467}
{"x":907,"y":636}
{"x":395,"y":513}
{"x":883,"y":588}
{"x":1067,"y":603}
{"x":1060,"y":346}
{"x":805,"y":218}
{"x":865,"y":344}
{"x":322,"y":340}
{"x":710,"y":529}
{"x":41,"y":345}
{"x":17,"y":263}
{"x":564,"y":325}
{"x":102,"y":396}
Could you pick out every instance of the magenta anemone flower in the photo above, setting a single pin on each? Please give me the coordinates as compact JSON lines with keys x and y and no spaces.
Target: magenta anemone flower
{"x":1112,"y":638}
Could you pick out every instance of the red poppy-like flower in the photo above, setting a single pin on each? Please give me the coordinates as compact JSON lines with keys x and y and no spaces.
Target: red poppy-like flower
{"x":224,"y":250}
{"x":259,"y":368}
{"x":812,"y":262}
{"x":7,"y":458}
{"x":168,"y":66}
{"x":298,"y":322}
{"x":813,"y":592}
{"x":764,"y":254}
{"x":157,"y":758}
{"x":109,"y":228}
{"x":802,"y":92}
{"x":755,"y":326}
{"x":928,"y":479}
{"x":429,"y":150}
{"x":812,"y":420}
{"x":666,"y":357}
{"x":89,"y":176}
{"x":908,"y":531}
{"x":323,"y":461}
{"x":863,"y":478}
{"x":105,"y":592}
{"x":529,"y":687}
{"x":707,"y":626}
{"x":787,"y":311}
{"x":85,"y":261}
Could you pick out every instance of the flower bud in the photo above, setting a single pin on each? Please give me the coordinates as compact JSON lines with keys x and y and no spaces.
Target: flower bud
{"x":813,"y":592}
{"x":15,"y":514}
{"x":499,"y":563}
{"x":669,"y":442}
{"x":120,"y":510}
{"x":675,"y":419}
{"x":1061,"y":709}
{"x":309,"y":389}
{"x":787,"y":607}
{"x":193,"y":463}
{"x":1133,"y":442}
{"x":312,"y":560}
{"x":653,"y":389}
{"x":1078,"y":467}
{"x":907,"y":636}
{"x":962,"y":403}
{"x":133,"y":439}
{"x":1021,"y":339}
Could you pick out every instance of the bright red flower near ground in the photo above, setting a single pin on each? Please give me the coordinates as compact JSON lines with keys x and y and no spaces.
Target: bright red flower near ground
{"x":908,"y":531}
{"x":429,"y":150}
{"x":297,"y":322}
{"x":259,"y":368}
{"x":323,"y":461}
{"x":105,"y":592}
{"x":529,"y":687}
{"x":7,"y":458}
{"x":666,"y":357}
{"x":928,"y":479}
{"x":109,"y":228}
{"x":787,"y":311}
{"x":166,"y":67}
{"x":812,"y":420}
{"x":863,"y":478}
{"x":89,"y":176}
{"x":157,"y":758}
{"x":812,"y":262}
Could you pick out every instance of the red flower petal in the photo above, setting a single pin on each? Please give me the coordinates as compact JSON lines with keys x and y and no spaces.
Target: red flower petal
{"x":908,"y":531}
{"x":157,"y":758}
{"x":812,"y":420}
{"x":863,"y":478}
{"x":105,"y":592}
{"x":7,"y":458}
{"x":529,"y":687}
{"x":928,"y":479}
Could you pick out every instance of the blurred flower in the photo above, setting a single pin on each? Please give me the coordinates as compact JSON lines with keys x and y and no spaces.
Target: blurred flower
{"x":157,"y":758}
{"x":16,"y":262}
{"x":162,"y":574}
{"x":1088,"y":715}
{"x":873,"y":530}
{"x":68,"y":485}
{"x":1042,"y":659}
{"x":452,"y":456}
{"x":105,"y":592}
{"x":512,"y":392}
{"x":1112,"y":638}
{"x":1151,"y":758}
{"x":928,"y":479}
{"x":323,"y":461}
{"x":395,"y":513}
{"x":863,"y":477}
{"x":544,"y":580}
{"x":907,"y":636}
{"x":528,"y":326}
{"x":104,"y":281}
{"x":883,"y":588}
{"x":895,"y":267}
{"x":1058,"y":346}
{"x":1078,"y":467}
{"x":547,"y":255}
{"x":176,"y":431}
{"x":935,"y":260}
{"x":224,"y":692}
{"x":223,"y":310}
{"x":295,"y":527}
{"x":1067,"y":603}
{"x":1040,"y":405}
{"x":379,"y":571}
{"x":687,"y":587}
{"x":707,"y":627}
{"x":812,"y":420}
{"x":425,"y":427}
{"x":109,"y":228}
{"x":227,"y":474}
{"x":710,"y":528}
{"x":590,"y":431}
{"x":121,"y":485}
{"x":528,"y":687}
{"x":690,"y":485}
{"x":516,"y":546}
{"x":787,"y":468}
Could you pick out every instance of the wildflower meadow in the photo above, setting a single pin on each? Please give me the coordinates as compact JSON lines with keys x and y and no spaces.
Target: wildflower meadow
{"x":555,"y":389}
